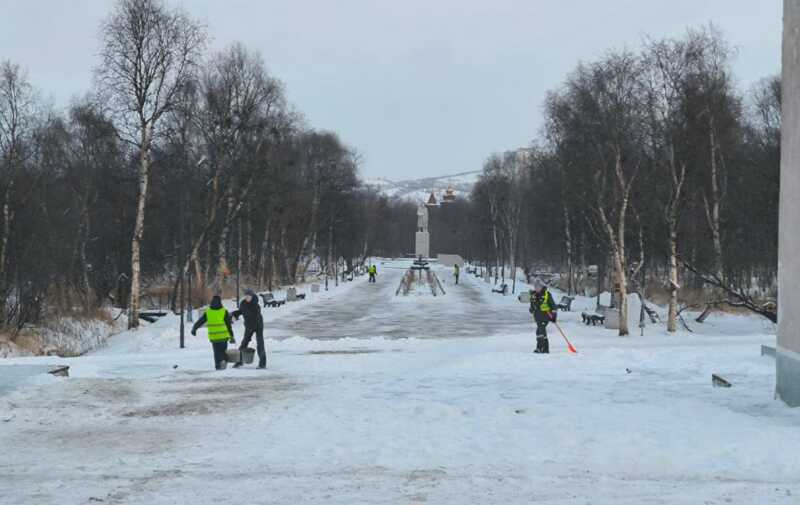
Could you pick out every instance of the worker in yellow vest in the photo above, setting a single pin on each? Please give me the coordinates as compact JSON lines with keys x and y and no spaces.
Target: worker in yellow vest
{"x":220,"y":330}
{"x":543,"y":308}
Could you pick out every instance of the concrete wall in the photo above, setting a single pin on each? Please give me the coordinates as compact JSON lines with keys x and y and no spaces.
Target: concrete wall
{"x":788,"y":350}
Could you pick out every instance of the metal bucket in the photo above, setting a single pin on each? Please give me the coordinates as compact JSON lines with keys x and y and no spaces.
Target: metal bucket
{"x":232,"y":355}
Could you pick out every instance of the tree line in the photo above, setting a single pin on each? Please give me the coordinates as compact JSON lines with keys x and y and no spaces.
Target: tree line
{"x":179,"y":169}
{"x":652,"y":166}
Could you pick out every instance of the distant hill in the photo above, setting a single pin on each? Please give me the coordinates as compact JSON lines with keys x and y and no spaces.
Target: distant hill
{"x":420,"y":189}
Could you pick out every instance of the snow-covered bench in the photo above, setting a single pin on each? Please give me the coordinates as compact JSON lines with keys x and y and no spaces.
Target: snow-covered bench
{"x":593,"y":319}
{"x":565,"y":303}
{"x":270,"y":301}
{"x":502,"y":290}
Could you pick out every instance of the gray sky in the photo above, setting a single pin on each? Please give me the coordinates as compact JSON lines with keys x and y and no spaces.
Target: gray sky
{"x":418,"y":87}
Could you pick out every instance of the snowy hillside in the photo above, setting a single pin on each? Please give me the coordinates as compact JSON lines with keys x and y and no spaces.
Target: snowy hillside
{"x":420,"y":189}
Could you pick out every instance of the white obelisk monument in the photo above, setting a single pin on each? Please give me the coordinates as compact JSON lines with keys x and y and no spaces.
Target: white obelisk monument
{"x":423,"y":241}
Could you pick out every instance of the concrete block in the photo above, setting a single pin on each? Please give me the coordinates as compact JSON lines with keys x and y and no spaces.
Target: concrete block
{"x":612,"y":318}
{"x":423,"y":244}
{"x":787,"y":386}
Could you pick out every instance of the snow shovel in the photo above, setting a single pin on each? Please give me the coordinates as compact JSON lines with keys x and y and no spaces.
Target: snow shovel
{"x":569,"y":345}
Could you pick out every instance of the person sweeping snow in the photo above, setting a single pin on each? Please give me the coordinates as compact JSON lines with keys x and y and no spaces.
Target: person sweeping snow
{"x":543,"y":308}
{"x":220,"y":330}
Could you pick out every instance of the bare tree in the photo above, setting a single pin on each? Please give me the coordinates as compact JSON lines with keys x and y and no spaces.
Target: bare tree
{"x":16,"y":122}
{"x":669,"y":65}
{"x":244,"y":108}
{"x":600,"y":116}
{"x":148,"y":54}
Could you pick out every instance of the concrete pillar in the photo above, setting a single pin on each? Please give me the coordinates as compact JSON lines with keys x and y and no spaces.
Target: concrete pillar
{"x":788,"y":350}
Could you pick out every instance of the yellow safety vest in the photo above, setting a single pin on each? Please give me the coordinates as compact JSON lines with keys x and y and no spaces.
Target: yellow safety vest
{"x":217,"y":329}
{"x":545,"y":306}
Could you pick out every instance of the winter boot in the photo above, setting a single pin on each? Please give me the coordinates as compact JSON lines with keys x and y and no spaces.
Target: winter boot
{"x":546,"y":345}
{"x":541,"y":343}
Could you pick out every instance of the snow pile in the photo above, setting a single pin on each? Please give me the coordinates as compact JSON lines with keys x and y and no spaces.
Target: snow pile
{"x":74,"y":337}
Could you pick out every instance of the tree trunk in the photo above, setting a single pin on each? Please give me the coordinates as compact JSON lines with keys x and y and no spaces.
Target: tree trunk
{"x":7,"y":218}
{"x":264,"y":257}
{"x":223,"y":271}
{"x":568,"y":245}
{"x":138,"y":232}
{"x":672,"y":318}
{"x":712,"y":207}
{"x":622,"y":279}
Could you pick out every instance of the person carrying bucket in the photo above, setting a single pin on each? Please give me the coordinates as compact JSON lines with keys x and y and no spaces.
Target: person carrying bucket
{"x":220,"y":330}
{"x":253,"y":323}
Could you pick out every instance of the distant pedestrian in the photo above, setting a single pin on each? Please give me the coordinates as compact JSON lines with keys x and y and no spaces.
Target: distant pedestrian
{"x":220,"y":330}
{"x":253,"y":323}
{"x":456,"y":271}
{"x":373,"y":273}
{"x":543,"y":308}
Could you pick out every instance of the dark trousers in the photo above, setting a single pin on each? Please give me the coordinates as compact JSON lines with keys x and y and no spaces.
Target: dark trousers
{"x":248,"y":334}
{"x":542,"y":342}
{"x":372,"y":277}
{"x":219,"y":347}
{"x":456,"y":278}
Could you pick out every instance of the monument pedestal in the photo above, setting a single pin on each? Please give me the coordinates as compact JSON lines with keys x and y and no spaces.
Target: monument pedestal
{"x":423,"y":244}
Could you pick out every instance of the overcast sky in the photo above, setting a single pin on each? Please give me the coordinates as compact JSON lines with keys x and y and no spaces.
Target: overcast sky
{"x":418,"y":87}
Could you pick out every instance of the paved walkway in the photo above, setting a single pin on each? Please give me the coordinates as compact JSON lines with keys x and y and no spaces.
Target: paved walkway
{"x":373,"y":310}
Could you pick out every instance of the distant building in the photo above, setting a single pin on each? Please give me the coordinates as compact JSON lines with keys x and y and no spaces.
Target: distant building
{"x":432,"y":202}
{"x":449,"y":195}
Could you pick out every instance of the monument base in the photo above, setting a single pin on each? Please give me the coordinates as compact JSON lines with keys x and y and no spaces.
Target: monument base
{"x":423,"y":244}
{"x":788,"y":376}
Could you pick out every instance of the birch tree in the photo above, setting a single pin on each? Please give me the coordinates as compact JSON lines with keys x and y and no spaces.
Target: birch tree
{"x":148,"y":53}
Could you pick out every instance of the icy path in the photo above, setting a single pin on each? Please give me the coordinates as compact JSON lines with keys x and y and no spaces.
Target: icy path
{"x":408,"y":420}
{"x":373,"y":310}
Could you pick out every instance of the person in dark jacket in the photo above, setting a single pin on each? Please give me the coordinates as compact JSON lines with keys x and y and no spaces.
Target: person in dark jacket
{"x":253,"y":323}
{"x":220,"y":330}
{"x":543,"y":308}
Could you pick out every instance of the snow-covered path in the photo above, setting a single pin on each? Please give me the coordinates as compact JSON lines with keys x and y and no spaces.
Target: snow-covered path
{"x":373,"y":310}
{"x":408,"y":420}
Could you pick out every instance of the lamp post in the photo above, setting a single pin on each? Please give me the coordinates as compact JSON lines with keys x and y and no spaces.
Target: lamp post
{"x":181,"y":249}
{"x":239,"y":260}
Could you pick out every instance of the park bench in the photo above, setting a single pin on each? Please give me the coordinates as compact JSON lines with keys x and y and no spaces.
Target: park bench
{"x":565,"y":303}
{"x":593,"y":319}
{"x":502,"y":290}
{"x":151,"y":316}
{"x":270,"y":301}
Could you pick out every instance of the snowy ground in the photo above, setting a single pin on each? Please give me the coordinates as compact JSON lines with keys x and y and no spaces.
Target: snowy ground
{"x":375,"y":399}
